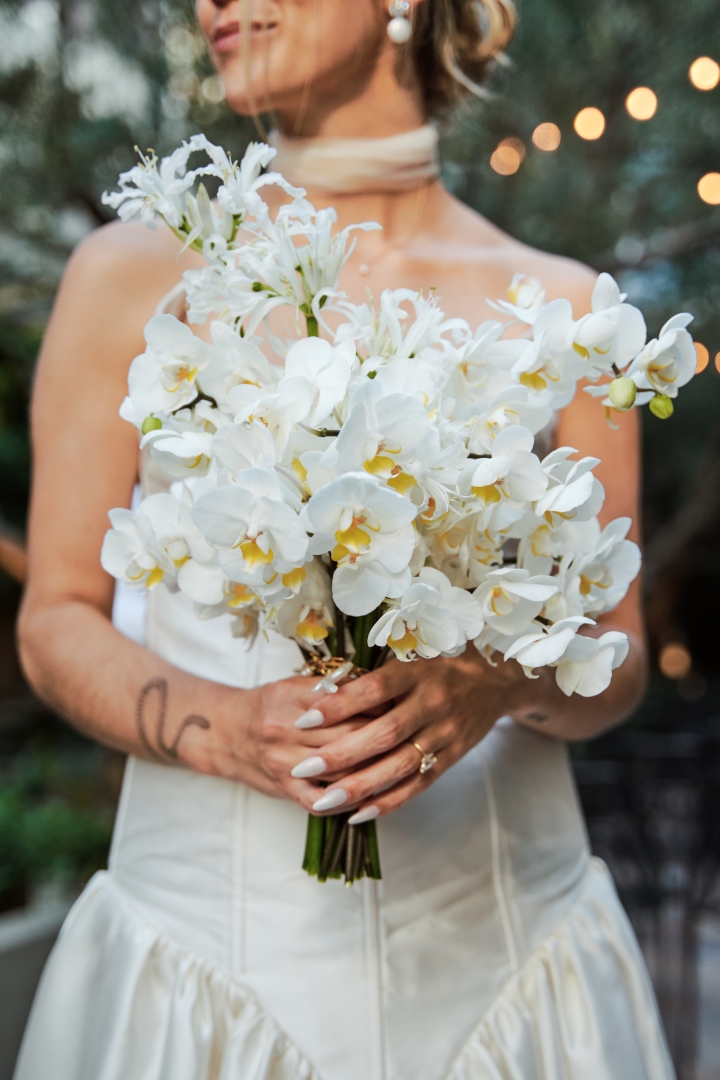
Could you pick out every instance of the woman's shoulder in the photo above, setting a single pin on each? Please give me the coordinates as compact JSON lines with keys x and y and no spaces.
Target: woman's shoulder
{"x":126,"y":260}
{"x":487,"y":248}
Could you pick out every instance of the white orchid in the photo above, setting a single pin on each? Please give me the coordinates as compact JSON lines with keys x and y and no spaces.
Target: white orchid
{"x":596,"y":581}
{"x":327,"y":371}
{"x":432,"y":618}
{"x":544,"y":645}
{"x":511,"y":598}
{"x":586,"y":666}
{"x":573,"y":491}
{"x":164,"y":377}
{"x":666,"y":363}
{"x":307,"y":617}
{"x":367,"y":529}
{"x":511,"y":406}
{"x":257,"y":535}
{"x":508,"y":479}
{"x":613,"y":333}
{"x":151,"y":545}
{"x":525,"y":298}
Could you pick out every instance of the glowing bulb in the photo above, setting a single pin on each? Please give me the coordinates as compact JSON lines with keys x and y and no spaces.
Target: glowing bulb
{"x":704,"y":73}
{"x":547,"y":137}
{"x":703,"y":357}
{"x":709,"y":188}
{"x":589,"y":123}
{"x":675,"y":661}
{"x":508,"y":157}
{"x":717,"y":363}
{"x":642,"y":103}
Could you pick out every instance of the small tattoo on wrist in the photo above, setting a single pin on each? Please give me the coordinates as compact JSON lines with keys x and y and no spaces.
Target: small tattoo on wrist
{"x":538,"y":717}
{"x":152,"y":734}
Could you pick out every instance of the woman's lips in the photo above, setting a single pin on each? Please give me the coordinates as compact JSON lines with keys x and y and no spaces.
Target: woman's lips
{"x":227,"y":38}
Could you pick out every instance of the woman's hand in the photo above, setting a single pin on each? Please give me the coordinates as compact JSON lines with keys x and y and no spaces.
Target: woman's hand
{"x":445,"y":705}
{"x":253,"y":737}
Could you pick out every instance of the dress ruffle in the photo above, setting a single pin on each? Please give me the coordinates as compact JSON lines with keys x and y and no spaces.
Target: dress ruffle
{"x":140,"y":1006}
{"x":580,"y":1008}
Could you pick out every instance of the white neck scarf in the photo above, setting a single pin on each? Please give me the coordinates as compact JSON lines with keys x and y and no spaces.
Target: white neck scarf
{"x":353,"y":166}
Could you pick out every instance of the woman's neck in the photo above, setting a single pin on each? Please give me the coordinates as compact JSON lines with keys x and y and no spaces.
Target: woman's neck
{"x":369,"y":106}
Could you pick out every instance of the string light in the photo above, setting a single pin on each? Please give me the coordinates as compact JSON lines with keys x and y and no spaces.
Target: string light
{"x":547,"y":137}
{"x":589,"y":123}
{"x":703,"y":356}
{"x":675,"y":661}
{"x":717,"y":363}
{"x":704,"y":73}
{"x":709,"y":188}
{"x":508,"y":157}
{"x":642,"y":103}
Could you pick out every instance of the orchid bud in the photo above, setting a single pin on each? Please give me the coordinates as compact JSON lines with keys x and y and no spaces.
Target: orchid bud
{"x":622,"y":393}
{"x":150,"y":423}
{"x":661,"y":406}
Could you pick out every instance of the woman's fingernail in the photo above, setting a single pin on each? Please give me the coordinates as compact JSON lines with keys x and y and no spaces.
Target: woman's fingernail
{"x":311,"y":766}
{"x":311,"y":718}
{"x":368,"y":814}
{"x":331,"y":799}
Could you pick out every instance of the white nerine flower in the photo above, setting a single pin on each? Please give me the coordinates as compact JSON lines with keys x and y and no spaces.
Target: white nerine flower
{"x":151,"y":546}
{"x":257,"y":536}
{"x":164,"y":377}
{"x":432,"y":618}
{"x":367,"y":529}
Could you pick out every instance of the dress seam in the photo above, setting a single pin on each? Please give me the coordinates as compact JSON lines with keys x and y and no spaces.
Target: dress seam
{"x":499,"y":877}
{"x":374,"y":969}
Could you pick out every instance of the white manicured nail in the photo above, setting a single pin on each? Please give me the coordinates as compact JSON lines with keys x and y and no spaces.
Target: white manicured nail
{"x":368,"y":814}
{"x":311,"y":718}
{"x":331,"y":800}
{"x":311,"y":766}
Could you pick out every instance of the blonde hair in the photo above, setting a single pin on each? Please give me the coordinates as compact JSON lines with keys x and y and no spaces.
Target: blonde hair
{"x":452,"y":44}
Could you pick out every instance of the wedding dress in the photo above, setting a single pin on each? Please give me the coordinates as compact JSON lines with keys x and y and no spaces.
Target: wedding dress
{"x":494,"y":948}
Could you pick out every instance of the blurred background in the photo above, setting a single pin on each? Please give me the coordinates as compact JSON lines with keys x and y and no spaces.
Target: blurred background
{"x":600,"y":140}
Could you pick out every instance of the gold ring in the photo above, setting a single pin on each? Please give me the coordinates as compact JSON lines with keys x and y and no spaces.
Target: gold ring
{"x":428,"y":760}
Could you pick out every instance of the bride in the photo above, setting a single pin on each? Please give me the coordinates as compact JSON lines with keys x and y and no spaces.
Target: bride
{"x":495,"y":948}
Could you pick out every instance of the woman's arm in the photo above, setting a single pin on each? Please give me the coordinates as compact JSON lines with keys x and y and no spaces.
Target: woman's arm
{"x":85,"y":464}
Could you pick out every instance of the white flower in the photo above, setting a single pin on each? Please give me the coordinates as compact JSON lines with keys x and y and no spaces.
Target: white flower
{"x":326,"y":369}
{"x":512,"y":476}
{"x":278,"y":410}
{"x":380,"y":435}
{"x":545,"y":645}
{"x":146,"y":189}
{"x":666,"y":363}
{"x":511,"y":599}
{"x":307,"y":617}
{"x":596,"y":581}
{"x":367,"y":528}
{"x":257,"y":536}
{"x":245,"y":446}
{"x":587,"y":664}
{"x":573,"y":491}
{"x":234,"y":361}
{"x":148,"y":547}
{"x":613,"y":333}
{"x":432,"y":618}
{"x":525,"y":298}
{"x":180,"y":454}
{"x":163,"y":378}
{"x":512,"y":406}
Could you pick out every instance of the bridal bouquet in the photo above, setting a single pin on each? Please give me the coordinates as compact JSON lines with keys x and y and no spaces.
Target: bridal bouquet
{"x":378,"y":491}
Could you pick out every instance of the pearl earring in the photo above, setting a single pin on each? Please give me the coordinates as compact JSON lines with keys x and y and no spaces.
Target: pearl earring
{"x":399,"y":29}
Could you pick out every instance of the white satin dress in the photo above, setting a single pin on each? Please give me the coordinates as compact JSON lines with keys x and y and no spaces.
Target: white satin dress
{"x":494,"y":948}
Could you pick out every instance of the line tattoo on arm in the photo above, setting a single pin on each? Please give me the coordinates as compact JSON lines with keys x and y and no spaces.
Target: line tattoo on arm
{"x":151,"y":729}
{"x":538,"y":717}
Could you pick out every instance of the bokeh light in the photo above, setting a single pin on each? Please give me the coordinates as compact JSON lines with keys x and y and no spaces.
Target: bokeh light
{"x":508,"y":157}
{"x":704,"y":73}
{"x":703,"y":356}
{"x":675,"y":661}
{"x":709,"y":188}
{"x":717,"y":362}
{"x":547,"y":137}
{"x":642,"y":103}
{"x":589,"y":123}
